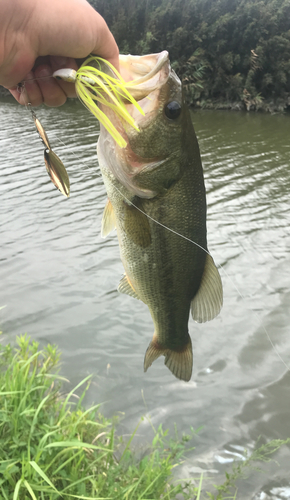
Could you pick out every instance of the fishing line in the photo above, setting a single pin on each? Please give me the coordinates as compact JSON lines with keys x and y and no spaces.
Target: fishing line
{"x":35,"y":79}
{"x":207,"y":252}
{"x":22,"y":89}
{"x":218,"y":265}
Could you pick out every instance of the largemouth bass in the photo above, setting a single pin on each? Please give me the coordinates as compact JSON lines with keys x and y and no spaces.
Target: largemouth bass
{"x":153,"y":184}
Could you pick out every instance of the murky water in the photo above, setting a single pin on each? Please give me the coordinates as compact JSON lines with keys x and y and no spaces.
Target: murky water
{"x":59,"y":279}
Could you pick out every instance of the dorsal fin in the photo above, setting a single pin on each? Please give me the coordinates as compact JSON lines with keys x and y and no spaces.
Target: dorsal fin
{"x":208,"y":301}
{"x":126,"y":287}
{"x":108,"y":220}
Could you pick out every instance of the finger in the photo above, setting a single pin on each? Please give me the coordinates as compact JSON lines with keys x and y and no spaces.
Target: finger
{"x":78,"y":34}
{"x":106,"y":46}
{"x":15,"y":69}
{"x":53,"y":95}
{"x":33,"y":93}
{"x":56,"y":63}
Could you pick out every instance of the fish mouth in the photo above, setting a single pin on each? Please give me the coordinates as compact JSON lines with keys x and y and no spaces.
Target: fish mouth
{"x":145,"y":73}
{"x":145,"y":76}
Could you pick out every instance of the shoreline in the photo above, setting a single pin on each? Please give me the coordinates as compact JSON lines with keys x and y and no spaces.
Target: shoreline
{"x":278,"y":105}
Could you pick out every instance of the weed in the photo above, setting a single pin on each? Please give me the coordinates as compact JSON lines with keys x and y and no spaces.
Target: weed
{"x":228,"y":490}
{"x":51,"y":448}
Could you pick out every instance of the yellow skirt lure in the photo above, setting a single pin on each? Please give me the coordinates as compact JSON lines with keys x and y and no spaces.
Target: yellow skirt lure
{"x":93,"y":85}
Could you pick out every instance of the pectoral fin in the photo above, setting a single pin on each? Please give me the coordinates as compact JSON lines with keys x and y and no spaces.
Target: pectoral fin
{"x":137,"y":226}
{"x":108,"y":220}
{"x":126,"y":287}
{"x":208,"y":301}
{"x":179,"y":362}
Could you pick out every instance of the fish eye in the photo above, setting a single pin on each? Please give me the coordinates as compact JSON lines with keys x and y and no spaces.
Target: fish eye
{"x":172,"y":110}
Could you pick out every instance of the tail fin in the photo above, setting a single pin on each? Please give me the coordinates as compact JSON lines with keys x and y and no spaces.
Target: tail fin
{"x":179,"y":362}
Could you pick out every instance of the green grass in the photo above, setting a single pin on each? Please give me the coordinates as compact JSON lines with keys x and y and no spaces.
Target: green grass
{"x":51,"y":448}
{"x":228,"y":490}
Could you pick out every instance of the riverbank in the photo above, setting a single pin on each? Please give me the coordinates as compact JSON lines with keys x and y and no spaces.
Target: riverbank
{"x":279,"y":105}
{"x":52,"y":447}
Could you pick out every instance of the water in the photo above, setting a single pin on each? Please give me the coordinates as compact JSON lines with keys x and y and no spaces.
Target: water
{"x":59,"y":280}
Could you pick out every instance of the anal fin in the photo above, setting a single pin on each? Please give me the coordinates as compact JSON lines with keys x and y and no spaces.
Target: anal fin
{"x":108,"y":220}
{"x":208,"y":300}
{"x":179,"y":362}
{"x":126,"y":287}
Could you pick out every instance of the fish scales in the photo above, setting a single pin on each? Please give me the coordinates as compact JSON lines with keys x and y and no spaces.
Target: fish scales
{"x":161,"y":176}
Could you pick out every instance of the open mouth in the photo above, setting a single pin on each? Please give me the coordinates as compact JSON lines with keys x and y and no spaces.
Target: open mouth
{"x":144,"y":73}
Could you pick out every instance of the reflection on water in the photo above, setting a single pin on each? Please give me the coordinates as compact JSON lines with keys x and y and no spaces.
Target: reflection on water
{"x":59,"y":281}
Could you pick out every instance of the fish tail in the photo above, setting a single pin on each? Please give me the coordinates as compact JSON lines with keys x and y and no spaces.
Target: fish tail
{"x":178,"y":361}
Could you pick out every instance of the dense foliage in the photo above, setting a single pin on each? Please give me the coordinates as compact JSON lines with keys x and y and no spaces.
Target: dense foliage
{"x":229,"y":49}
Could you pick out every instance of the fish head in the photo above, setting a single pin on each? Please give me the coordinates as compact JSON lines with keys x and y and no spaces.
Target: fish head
{"x":151,"y":161}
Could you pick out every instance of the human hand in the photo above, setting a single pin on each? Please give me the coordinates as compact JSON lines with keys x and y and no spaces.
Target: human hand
{"x":39,"y":37}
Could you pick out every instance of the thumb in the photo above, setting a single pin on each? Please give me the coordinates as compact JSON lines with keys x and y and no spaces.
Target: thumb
{"x":73,"y":28}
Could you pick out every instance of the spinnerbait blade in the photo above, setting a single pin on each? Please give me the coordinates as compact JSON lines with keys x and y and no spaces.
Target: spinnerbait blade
{"x":54,"y":166}
{"x":40,"y":130}
{"x":57,"y":172}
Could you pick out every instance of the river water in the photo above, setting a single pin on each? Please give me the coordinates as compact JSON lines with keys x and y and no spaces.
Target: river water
{"x":59,"y":279}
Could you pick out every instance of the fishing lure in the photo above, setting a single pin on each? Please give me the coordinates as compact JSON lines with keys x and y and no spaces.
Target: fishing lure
{"x":54,"y":166}
{"x":97,"y":80}
{"x":100,"y":83}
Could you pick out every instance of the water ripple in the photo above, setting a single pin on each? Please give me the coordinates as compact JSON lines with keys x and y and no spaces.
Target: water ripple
{"x":59,"y":278}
